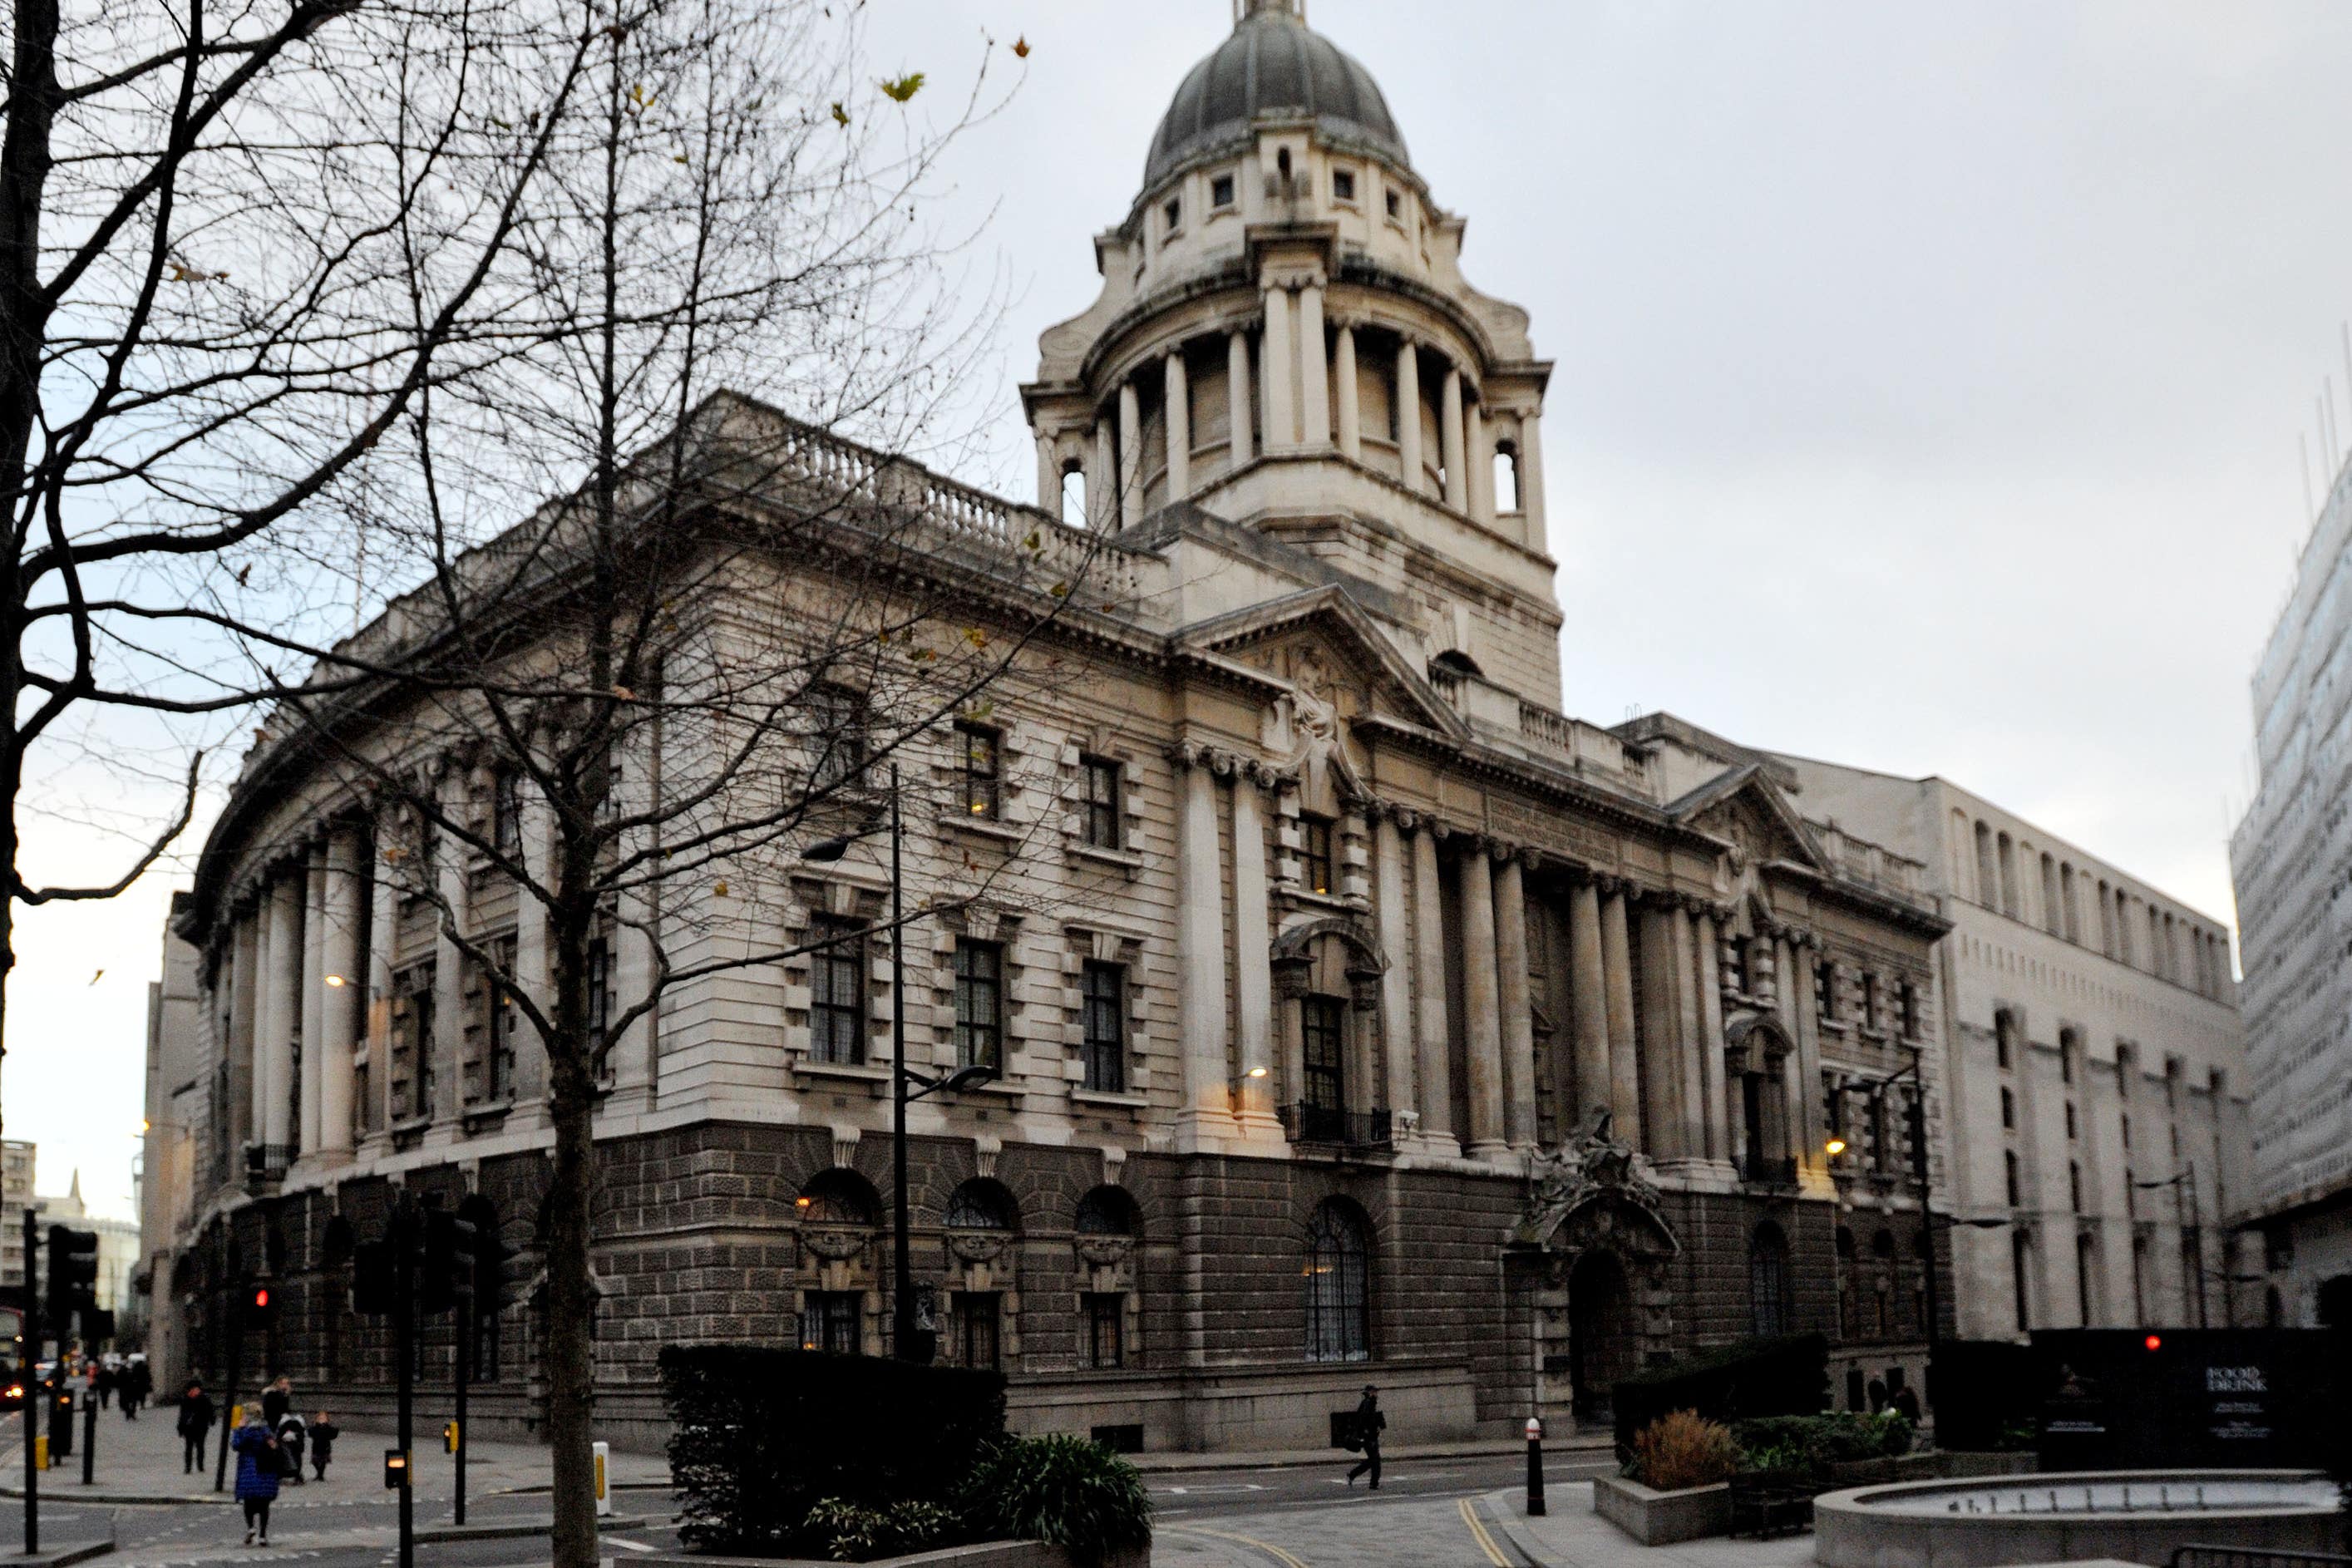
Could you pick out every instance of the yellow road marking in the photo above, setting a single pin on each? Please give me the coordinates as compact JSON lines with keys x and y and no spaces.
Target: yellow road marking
{"x":1486,"y":1542}
{"x":1276,"y":1553}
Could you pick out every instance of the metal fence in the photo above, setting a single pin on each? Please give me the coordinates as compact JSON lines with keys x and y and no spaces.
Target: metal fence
{"x":2254,"y":1557}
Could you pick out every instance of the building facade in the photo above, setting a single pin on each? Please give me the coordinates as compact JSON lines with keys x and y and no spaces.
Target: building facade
{"x":17,"y":1160}
{"x":2096,"y":1075}
{"x":1358,"y":1013}
{"x":176,"y":1114}
{"x":2288,"y":859}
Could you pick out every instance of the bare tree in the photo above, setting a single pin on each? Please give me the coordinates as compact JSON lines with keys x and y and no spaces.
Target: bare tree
{"x":637,"y":703}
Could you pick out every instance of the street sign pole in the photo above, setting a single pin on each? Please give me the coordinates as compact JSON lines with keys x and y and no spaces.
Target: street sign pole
{"x":403,"y":1326}
{"x":35,"y":1398}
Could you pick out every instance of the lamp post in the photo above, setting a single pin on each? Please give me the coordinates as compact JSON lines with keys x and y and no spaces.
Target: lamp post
{"x":1917,"y":1119}
{"x":2185,"y":1177}
{"x":902,"y":1267}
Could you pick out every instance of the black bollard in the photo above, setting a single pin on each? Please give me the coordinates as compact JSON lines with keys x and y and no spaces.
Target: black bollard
{"x":89,"y":1437}
{"x":1535,"y":1466}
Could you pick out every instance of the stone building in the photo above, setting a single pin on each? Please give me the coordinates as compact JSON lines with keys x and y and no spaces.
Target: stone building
{"x":1359,"y":1013}
{"x":177,"y":1109}
{"x":2287,"y":859}
{"x":2095,"y":1072}
{"x":18,"y":1159}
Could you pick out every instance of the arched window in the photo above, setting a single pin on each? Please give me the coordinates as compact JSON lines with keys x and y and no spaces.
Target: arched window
{"x":1106,"y":1210}
{"x":1768,"y":1280}
{"x":837,"y":1197}
{"x":1506,"y":478}
{"x":981,"y":1204}
{"x":1338,"y":1269}
{"x":1074,"y":494}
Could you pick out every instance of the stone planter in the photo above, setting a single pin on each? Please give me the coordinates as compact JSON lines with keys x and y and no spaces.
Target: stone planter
{"x":1659,"y":1518}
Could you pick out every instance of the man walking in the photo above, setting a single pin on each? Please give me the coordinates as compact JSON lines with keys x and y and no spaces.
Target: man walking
{"x":195,"y":1420}
{"x":1369,"y":1421}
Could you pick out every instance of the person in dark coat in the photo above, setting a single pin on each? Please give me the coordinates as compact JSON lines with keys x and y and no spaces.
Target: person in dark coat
{"x":195,"y":1420}
{"x":105,"y":1380}
{"x":257,"y":1462}
{"x":323,"y":1433}
{"x":138,"y":1383}
{"x":1906,"y":1405}
{"x":1369,"y":1423}
{"x":277,"y":1400}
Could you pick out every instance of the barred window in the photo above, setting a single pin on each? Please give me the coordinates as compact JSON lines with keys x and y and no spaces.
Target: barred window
{"x":505,"y":1024}
{"x":977,"y":1313}
{"x":979,"y":1003}
{"x":1908,"y":1000}
{"x":1105,"y":994}
{"x":1826,"y":992}
{"x":1315,"y":852}
{"x":829,"y":1322}
{"x":1338,"y":1319}
{"x":1106,"y":1314}
{"x":1768,"y":1280}
{"x":978,"y":771}
{"x":836,"y":739}
{"x":600,"y":994}
{"x":412,"y":1043}
{"x":837,"y":992}
{"x":1102,"y":822}
{"x":1320,"y":1025}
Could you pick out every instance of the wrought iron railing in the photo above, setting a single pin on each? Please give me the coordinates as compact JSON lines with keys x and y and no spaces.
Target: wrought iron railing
{"x":267,"y":1161}
{"x":1769,"y":1169}
{"x":2254,"y":1557}
{"x":1330,"y":1124}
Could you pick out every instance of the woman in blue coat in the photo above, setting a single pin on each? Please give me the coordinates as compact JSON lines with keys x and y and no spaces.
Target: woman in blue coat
{"x":257,"y":1464}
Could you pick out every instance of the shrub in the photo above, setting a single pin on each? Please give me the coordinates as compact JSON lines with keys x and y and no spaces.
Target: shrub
{"x":1682,"y":1449}
{"x":853,"y":1532}
{"x":1784,"y":1376}
{"x":759,"y":1435}
{"x":1814,"y":1443}
{"x":1068,"y":1492}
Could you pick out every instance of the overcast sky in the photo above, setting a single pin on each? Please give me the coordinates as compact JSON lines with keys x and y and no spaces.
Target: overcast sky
{"x":1929,"y":382}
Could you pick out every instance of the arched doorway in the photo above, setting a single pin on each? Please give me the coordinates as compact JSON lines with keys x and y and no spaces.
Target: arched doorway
{"x":1603,"y":1340}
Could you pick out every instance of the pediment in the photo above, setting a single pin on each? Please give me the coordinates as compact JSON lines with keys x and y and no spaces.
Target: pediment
{"x":1324,"y":646}
{"x":1746,"y":810}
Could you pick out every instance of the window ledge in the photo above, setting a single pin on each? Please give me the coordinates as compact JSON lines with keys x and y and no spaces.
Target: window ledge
{"x":1338,"y":903}
{"x":982,"y":827}
{"x":484,"y":1114}
{"x":1129,"y":1099}
{"x":1125,"y":859}
{"x":408,"y":1134}
{"x":857,"y":1072}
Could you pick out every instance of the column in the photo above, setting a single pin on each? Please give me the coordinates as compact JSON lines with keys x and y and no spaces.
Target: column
{"x":314,"y":994}
{"x":1177,"y":396}
{"x":245,"y":1057}
{"x":1811,"y":1133}
{"x":1253,"y":956}
{"x":1481,"y":1005}
{"x":1237,"y":394}
{"x":1449,"y":439}
{"x":1049,"y":478}
{"x":1436,"y":1100}
{"x":1518,"y":1014}
{"x":1720,"y":1116}
{"x":1201,"y":942}
{"x":281,"y":994}
{"x":382,"y":915}
{"x":444,"y":1069}
{"x":1588,"y":1004}
{"x":1314,"y":372}
{"x":1690,"y":1073}
{"x":1130,"y":456}
{"x":531,"y":939}
{"x":1277,"y":356}
{"x":1102,"y":478}
{"x":1396,"y":990}
{"x":1624,"y":1061}
{"x":1351,"y":415}
{"x":340,"y":988}
{"x":1531,"y":503}
{"x":1480,"y":462}
{"x":1407,"y":391}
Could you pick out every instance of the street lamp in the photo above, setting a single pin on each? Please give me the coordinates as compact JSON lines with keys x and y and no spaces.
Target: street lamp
{"x":1917,"y":1116}
{"x":902,"y":1267}
{"x":2185,"y":1177}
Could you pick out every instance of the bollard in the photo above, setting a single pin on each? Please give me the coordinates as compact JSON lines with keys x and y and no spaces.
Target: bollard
{"x":88,"y":1437}
{"x":1535,"y":1466}
{"x":604,"y":1452}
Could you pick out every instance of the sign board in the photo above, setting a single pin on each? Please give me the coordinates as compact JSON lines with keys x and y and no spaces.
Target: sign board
{"x":2229,"y":1398}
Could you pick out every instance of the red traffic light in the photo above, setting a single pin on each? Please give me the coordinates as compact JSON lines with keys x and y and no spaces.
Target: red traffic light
{"x":261,"y":1298}
{"x":2154,"y":1342}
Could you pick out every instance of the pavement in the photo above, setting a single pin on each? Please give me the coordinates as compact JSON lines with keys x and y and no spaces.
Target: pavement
{"x":1393,"y":1453}
{"x":1570,"y":1535}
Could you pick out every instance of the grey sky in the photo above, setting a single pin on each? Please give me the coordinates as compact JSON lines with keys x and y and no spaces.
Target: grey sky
{"x":1928,"y":388}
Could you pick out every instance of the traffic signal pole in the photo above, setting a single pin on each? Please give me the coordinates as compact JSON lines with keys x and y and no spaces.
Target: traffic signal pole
{"x":458,"y":1432}
{"x":403,"y":1326}
{"x":228,"y":1389}
{"x":35,"y":1398}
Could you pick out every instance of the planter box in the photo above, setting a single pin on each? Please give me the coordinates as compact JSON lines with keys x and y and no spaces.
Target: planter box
{"x":983,"y":1554}
{"x":1660,"y":1519}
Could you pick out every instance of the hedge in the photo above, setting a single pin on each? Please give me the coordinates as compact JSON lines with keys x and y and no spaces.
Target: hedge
{"x":1787,"y":1375}
{"x":758,"y":1436}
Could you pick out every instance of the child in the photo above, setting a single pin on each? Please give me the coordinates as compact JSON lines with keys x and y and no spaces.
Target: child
{"x":324,"y":1433}
{"x":256,"y":1474}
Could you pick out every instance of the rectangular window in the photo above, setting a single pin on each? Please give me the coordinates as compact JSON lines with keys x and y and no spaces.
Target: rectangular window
{"x":2009,"y":1170}
{"x":600,"y":999}
{"x":979,"y":1003}
{"x":2008,"y":1109}
{"x":1105,"y":992}
{"x":1906,"y":1001}
{"x":1320,"y":1042}
{"x":1735,"y":973}
{"x":1102,"y":802}
{"x":2074,"y":1185}
{"x":2070,"y":1119}
{"x":1315,"y":852}
{"x":837,"y":992}
{"x":1174,"y":213}
{"x":1105,"y":1315}
{"x":1220,"y":190}
{"x":1869,"y":1019}
{"x":1825,"y":996}
{"x":838,"y":727}
{"x":829,"y":1322}
{"x":505,"y":1026}
{"x":2126,"y":1131}
{"x":506,"y":812}
{"x":412,"y":1043}
{"x":976,"y":1315}
{"x":1395,"y":204}
{"x":977,"y":772}
{"x":1343,"y":184}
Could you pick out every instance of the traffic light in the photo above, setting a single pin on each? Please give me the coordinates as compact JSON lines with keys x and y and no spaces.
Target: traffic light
{"x":260,"y":1304}
{"x":449,"y":1264}
{"x":375,"y":1279}
{"x":73,"y":1276}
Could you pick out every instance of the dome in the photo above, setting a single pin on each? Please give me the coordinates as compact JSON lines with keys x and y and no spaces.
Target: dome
{"x":1273,"y":65}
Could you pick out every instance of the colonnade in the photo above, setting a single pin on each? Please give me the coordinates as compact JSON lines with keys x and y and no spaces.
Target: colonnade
{"x":1646,"y":1006}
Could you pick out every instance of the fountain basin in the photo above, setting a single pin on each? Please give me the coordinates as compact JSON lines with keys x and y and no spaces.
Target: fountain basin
{"x":2136,"y":1516}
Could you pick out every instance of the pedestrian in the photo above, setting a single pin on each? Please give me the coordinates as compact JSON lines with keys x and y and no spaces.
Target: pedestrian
{"x":1877,"y":1396}
{"x":289,"y":1446}
{"x":278,"y":1399}
{"x":138,"y":1383}
{"x":323,"y":1433}
{"x":258,"y":1460}
{"x":1906,"y":1405}
{"x":195,"y":1420}
{"x":1369,"y":1423}
{"x":105,"y":1379}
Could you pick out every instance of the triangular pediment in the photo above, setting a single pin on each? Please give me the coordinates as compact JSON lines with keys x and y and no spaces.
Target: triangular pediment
{"x":1323,"y":643}
{"x":1745,"y":809}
